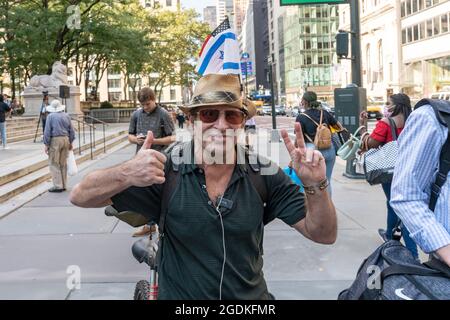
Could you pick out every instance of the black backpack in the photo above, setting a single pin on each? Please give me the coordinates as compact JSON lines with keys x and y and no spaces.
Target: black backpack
{"x":391,"y":272}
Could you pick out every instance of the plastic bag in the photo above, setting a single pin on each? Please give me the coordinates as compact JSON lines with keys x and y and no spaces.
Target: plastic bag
{"x":72,"y":168}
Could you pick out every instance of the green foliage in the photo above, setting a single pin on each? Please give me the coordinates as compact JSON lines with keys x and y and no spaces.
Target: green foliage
{"x":106,"y":105}
{"x":112,"y":34}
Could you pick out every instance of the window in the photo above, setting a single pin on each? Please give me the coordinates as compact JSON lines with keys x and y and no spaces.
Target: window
{"x":380,"y":60}
{"x":114,"y":83}
{"x":307,"y":44}
{"x":404,"y":40}
{"x":414,"y":6}
{"x":408,"y":7}
{"x":422,"y":31}
{"x":416,"y":32}
{"x":325,"y":29}
{"x":307,"y":29}
{"x":114,"y":96}
{"x":403,"y":9}
{"x":444,"y":23}
{"x":173,"y":94}
{"x":436,"y":28}
{"x":429,"y":28}
{"x":428,"y":3}
{"x":410,"y":34}
{"x":169,"y":3}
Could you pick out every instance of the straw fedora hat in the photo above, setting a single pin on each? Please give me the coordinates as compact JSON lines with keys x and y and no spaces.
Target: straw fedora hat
{"x":220,"y":90}
{"x":55,"y":106}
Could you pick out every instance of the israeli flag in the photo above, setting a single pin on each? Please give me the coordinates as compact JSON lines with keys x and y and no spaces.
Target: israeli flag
{"x":220,"y":53}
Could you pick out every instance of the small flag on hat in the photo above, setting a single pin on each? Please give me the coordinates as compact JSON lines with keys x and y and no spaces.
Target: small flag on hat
{"x":220,"y":53}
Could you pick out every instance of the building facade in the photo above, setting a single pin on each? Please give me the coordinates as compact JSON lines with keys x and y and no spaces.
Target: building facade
{"x":239,"y":11}
{"x":381,"y":54}
{"x":425,"y":46}
{"x":307,"y":58}
{"x":210,"y":17}
{"x":225,"y":8}
{"x":254,"y":40}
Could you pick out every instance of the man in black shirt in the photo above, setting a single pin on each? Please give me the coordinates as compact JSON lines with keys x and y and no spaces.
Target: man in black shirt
{"x":214,"y":222}
{"x":4,"y":110}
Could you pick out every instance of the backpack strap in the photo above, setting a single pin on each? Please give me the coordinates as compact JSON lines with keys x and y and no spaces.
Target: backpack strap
{"x":257,"y":180}
{"x":444,"y":166}
{"x":305,"y":134}
{"x":393,"y":129}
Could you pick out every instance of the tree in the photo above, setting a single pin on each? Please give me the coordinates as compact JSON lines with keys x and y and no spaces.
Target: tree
{"x":176,"y":39}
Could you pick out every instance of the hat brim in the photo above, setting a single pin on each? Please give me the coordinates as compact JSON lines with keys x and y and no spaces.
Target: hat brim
{"x":242,"y":104}
{"x":53,"y":110}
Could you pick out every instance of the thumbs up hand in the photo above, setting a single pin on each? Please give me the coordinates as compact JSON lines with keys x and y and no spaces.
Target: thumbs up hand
{"x":147,"y":167}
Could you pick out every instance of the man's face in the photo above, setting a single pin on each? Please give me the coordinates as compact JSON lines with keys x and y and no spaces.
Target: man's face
{"x":148,"y":105}
{"x":216,"y":128}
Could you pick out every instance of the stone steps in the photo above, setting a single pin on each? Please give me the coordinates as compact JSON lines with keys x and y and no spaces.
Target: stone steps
{"x":23,"y":167}
{"x":32,"y":174}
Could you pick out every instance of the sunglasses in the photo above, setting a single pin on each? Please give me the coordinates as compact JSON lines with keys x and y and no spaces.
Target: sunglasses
{"x":233,"y":117}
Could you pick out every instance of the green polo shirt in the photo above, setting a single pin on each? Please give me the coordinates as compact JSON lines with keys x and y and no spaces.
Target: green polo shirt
{"x":192,"y":249}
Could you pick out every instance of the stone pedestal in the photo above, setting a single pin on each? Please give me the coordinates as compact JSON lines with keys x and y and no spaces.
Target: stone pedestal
{"x":33,"y":99}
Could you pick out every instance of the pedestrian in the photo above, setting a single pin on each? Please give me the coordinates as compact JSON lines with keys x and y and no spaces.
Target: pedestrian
{"x":154,"y":118}
{"x":4,"y":111}
{"x":417,"y":167}
{"x":310,"y":121}
{"x":44,"y":112}
{"x":400,"y":105}
{"x":58,"y":138}
{"x":213,"y":236}
{"x":14,"y":108}
{"x":180,"y":119}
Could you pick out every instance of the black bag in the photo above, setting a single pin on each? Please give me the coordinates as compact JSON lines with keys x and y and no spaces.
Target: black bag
{"x":391,"y":272}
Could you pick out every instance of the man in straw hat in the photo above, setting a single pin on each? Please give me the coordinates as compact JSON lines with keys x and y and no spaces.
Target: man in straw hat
{"x":214,"y":211}
{"x":58,"y":138}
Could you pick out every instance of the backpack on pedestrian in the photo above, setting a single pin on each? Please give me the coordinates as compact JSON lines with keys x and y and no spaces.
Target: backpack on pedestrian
{"x":391,"y":272}
{"x":322,"y":140}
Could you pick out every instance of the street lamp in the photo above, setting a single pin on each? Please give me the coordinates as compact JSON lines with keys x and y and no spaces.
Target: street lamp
{"x":1,"y":84}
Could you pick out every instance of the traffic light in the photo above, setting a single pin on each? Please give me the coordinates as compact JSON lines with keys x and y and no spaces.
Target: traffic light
{"x":342,"y":44}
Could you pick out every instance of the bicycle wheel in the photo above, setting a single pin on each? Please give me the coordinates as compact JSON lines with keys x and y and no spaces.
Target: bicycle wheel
{"x":142,"y":290}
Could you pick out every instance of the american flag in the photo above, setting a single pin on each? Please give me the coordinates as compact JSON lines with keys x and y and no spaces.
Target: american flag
{"x":225,"y":25}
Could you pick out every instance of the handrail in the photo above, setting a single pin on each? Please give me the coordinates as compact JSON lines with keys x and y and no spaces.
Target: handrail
{"x":91,"y":128}
{"x":104,"y":124}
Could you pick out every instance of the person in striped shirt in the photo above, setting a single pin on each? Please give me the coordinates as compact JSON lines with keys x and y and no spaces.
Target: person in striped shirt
{"x":420,"y":146}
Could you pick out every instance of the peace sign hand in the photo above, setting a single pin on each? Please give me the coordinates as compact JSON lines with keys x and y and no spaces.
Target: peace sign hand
{"x":309,"y":165}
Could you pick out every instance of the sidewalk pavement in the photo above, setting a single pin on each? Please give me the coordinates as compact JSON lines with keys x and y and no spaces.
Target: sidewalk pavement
{"x":40,"y":241}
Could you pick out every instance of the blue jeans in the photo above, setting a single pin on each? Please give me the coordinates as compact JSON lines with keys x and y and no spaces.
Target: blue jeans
{"x":392,"y":220}
{"x":330,"y":159}
{"x":3,"y":132}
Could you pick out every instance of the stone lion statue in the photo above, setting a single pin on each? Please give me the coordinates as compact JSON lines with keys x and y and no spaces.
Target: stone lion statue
{"x":56,"y":79}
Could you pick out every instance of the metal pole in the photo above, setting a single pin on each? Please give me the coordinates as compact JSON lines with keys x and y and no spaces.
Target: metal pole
{"x":274,"y":120}
{"x":356,"y":43}
{"x":90,"y":135}
{"x":79,"y":137}
{"x":355,"y":22}
{"x":104,"y":139}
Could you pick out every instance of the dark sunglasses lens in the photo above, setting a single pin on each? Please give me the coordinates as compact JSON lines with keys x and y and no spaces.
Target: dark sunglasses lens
{"x":234,"y":117}
{"x":209,"y":116}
